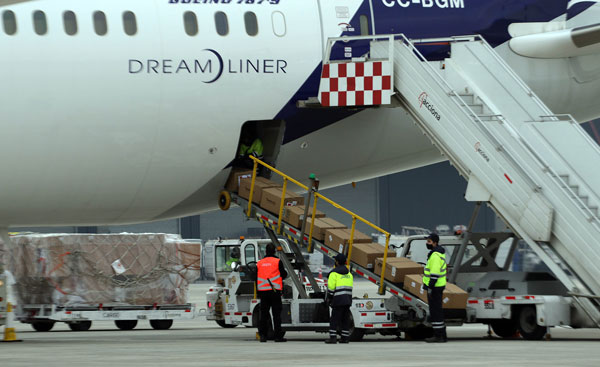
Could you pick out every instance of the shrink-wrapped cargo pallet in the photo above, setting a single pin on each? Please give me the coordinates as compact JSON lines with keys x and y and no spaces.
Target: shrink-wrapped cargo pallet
{"x":126,"y":269}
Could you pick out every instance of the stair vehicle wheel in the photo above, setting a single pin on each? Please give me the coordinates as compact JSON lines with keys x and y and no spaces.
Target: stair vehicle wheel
{"x":126,"y":324}
{"x":80,"y":325}
{"x":161,"y":324}
{"x":224,"y":325}
{"x":527,"y":323}
{"x":224,"y":200}
{"x":356,"y":335}
{"x":504,"y":328}
{"x":419,"y":332}
{"x":42,"y":326}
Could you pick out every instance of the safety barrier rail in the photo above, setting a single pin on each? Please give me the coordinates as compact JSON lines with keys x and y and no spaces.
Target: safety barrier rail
{"x":318,"y":196}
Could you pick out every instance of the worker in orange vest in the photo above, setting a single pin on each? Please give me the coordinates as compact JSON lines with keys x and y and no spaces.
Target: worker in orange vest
{"x":269,"y":284}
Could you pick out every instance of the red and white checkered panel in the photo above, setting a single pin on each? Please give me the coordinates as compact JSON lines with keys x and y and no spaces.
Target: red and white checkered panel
{"x":356,"y":84}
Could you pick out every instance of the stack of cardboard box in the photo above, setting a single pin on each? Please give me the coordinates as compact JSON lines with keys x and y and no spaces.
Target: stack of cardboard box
{"x":365,"y":254}
{"x":135,"y":269}
{"x":271,"y":199}
{"x":260,"y":183}
{"x":453,"y":297}
{"x":397,"y":268}
{"x":321,"y":226}
{"x":338,"y":239}
{"x":294,"y":215}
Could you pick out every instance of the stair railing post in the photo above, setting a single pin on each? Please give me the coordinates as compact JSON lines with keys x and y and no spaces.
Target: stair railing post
{"x":285,"y":180}
{"x":254,"y":169}
{"x":385,"y":255}
{"x":310,"y":190}
{"x":351,"y":242}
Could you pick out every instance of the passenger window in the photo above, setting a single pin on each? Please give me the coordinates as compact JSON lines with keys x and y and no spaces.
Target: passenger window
{"x":40,"y":25}
{"x":70,"y":23}
{"x":364,"y":26}
{"x":129,"y":23}
{"x":279,"y":26}
{"x":100,"y":25}
{"x":190,"y":23}
{"x":251,"y":23}
{"x":221,"y":23}
{"x":10,"y":22}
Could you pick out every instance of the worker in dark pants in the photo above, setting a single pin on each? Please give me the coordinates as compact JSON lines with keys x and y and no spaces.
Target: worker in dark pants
{"x":269,"y":285}
{"x":339,"y":286}
{"x":434,"y":281}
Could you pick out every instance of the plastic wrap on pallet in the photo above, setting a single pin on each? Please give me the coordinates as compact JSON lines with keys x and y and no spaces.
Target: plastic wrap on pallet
{"x":122,"y":269}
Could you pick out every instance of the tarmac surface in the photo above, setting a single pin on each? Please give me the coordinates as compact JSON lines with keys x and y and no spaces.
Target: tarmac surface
{"x":202,"y":343}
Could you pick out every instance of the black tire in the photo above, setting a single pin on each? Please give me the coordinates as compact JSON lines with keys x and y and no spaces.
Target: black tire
{"x":126,"y":324}
{"x":42,"y":326}
{"x":527,"y":324}
{"x":418,"y":332}
{"x":224,"y":325}
{"x":356,"y":335}
{"x":504,"y":328}
{"x":161,"y":324}
{"x":80,"y":325}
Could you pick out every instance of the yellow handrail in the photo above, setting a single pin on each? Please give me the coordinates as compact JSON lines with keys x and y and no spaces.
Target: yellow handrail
{"x":318,"y":196}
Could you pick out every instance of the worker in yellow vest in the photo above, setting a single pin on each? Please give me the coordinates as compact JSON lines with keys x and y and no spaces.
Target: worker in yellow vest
{"x":434,"y":281}
{"x":339,"y":286}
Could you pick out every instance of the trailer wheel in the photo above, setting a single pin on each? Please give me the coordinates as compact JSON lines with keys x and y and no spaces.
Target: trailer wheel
{"x":161,"y":324}
{"x":504,"y":328}
{"x":80,"y":325}
{"x":126,"y":324}
{"x":224,"y":325}
{"x":418,"y":332}
{"x":224,"y":200}
{"x":42,"y":326}
{"x":528,"y":326}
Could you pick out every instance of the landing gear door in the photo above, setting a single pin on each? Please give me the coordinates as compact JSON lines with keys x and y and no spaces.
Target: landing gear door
{"x":346,"y":18}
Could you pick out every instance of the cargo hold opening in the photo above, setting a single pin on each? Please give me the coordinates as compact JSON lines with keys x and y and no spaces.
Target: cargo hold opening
{"x":266,"y":134}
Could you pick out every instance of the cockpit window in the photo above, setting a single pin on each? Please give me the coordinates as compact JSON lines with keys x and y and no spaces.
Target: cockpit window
{"x":190,"y":23}
{"x":221,"y":23}
{"x":10,"y":22}
{"x":129,"y":23}
{"x":100,"y":25}
{"x":40,"y":24}
{"x":70,"y":23}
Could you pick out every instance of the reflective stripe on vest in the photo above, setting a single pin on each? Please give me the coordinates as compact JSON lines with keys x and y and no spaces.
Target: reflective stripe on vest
{"x":435,"y":269}
{"x":268,"y":277}
{"x":340,"y":284}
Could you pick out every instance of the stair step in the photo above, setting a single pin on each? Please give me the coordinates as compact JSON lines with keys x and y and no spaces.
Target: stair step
{"x":468,"y":98}
{"x":477,"y":108}
{"x":575,"y":188}
{"x":585,"y":200}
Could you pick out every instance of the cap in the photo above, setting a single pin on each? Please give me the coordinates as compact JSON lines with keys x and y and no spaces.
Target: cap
{"x":434,"y":237}
{"x":340,"y":258}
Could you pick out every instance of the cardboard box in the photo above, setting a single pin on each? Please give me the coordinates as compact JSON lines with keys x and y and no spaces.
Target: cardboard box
{"x":271,"y":199}
{"x":294,"y":215}
{"x":260,"y":184}
{"x":365,"y":254}
{"x":321,"y":225}
{"x":337,"y":239}
{"x":236,"y":175}
{"x":397,"y":268}
{"x":453,"y":296}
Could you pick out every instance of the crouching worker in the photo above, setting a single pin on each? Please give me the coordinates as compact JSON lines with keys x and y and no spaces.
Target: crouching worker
{"x":339,"y":286}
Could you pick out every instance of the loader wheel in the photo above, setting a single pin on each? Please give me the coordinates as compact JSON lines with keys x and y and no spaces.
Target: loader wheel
{"x":161,"y":324}
{"x":505,"y":328}
{"x":224,"y":200}
{"x":126,"y":324}
{"x":80,"y":325}
{"x":224,"y":325}
{"x":528,"y":327}
{"x":42,"y":326}
{"x":356,"y":335}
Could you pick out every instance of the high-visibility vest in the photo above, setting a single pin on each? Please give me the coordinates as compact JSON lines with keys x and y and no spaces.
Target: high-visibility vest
{"x":340,"y":285}
{"x":256,"y":147}
{"x":436,"y":268}
{"x":268,"y":273}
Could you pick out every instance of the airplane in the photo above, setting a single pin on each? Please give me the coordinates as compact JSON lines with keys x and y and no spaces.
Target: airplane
{"x":129,"y":111}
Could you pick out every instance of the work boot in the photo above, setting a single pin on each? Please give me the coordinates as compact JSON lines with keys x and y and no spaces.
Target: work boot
{"x":344,"y":340}
{"x":331,"y":340}
{"x":436,"y":339}
{"x":263,"y":339}
{"x":280,"y":340}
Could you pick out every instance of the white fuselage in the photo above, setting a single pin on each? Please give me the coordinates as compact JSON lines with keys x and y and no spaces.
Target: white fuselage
{"x":104,"y":129}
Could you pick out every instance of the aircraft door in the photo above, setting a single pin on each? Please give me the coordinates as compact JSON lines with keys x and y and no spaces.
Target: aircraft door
{"x":346,"y":18}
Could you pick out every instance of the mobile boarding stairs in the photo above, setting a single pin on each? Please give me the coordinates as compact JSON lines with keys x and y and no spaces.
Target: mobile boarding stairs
{"x":537,"y":170}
